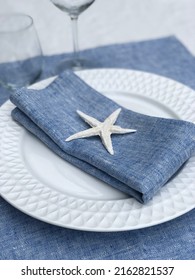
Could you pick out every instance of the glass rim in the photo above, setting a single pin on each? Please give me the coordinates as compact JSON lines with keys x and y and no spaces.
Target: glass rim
{"x":16,"y":15}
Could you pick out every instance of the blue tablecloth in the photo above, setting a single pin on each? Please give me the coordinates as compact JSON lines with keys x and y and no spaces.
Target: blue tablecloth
{"x":22,"y":237}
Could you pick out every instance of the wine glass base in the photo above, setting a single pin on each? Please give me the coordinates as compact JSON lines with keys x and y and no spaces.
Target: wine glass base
{"x":16,"y":82}
{"x":74,"y":65}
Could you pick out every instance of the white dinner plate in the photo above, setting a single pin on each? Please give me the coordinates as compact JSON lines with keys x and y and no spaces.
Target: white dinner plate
{"x":41,"y":184}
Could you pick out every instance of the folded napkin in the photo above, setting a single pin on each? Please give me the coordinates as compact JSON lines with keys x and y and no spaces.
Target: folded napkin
{"x":143,"y":161}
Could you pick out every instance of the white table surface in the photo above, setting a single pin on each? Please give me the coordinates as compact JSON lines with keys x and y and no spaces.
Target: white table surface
{"x":109,"y":21}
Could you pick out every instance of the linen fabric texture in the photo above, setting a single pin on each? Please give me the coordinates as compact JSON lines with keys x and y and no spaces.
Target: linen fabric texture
{"x":142,"y":162}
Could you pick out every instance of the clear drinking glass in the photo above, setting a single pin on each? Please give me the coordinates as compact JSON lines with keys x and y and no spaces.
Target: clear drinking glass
{"x":20,"y":51}
{"x":74,"y":8}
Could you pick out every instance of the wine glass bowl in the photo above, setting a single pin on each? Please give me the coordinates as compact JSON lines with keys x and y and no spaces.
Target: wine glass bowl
{"x":74,"y":8}
{"x":20,"y":51}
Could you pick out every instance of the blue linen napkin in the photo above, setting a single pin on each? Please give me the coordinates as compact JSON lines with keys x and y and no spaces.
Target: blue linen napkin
{"x":143,"y":161}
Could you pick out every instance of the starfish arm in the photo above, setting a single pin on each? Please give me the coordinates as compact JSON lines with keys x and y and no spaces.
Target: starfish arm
{"x":85,"y":133}
{"x":119,"y":130}
{"x":106,"y":140}
{"x":90,"y":120}
{"x":110,"y":120}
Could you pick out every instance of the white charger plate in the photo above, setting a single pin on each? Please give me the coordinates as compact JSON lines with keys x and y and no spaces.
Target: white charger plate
{"x":42,"y":185}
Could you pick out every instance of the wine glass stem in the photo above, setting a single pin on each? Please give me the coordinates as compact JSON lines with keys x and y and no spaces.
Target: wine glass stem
{"x":74,"y":20}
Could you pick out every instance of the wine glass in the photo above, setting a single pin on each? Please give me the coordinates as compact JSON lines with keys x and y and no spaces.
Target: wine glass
{"x":20,"y":51}
{"x":74,"y":8}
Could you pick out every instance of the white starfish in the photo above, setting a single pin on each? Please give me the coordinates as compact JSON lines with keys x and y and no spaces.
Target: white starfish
{"x":102,"y":129}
